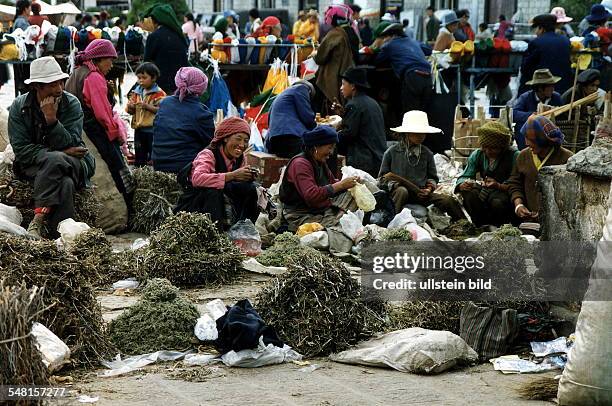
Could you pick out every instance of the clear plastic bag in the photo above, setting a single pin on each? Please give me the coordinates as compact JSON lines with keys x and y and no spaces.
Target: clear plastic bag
{"x":246,"y":237}
{"x":352,"y":225}
{"x":363,"y":197}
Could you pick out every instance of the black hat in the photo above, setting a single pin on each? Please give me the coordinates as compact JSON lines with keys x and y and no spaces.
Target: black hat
{"x":357,"y":76}
{"x":589,"y":75}
{"x":393,"y":29}
{"x":544,"y":20}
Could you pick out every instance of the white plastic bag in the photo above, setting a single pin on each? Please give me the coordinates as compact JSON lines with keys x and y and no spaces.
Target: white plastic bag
{"x":402,"y":219}
{"x":123,"y":366}
{"x":352,"y":225}
{"x":415,"y":350}
{"x":348,"y":171}
{"x":11,"y":214}
{"x":53,"y":350}
{"x":69,"y":230}
{"x":256,"y":140}
{"x":201,"y":359}
{"x":9,"y":155}
{"x":420,"y":232}
{"x":216,"y":308}
{"x":318,"y":240}
{"x":12,"y":228}
{"x":262,"y":356}
{"x":129,"y":283}
{"x":206,"y":328}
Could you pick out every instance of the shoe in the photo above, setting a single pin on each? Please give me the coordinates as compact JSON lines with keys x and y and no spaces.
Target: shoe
{"x":35,"y":229}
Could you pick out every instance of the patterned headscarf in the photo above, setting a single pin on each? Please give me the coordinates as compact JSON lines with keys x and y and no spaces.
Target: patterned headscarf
{"x":494,"y":134}
{"x":190,"y":82}
{"x":98,"y":48}
{"x":338,"y":13}
{"x":542,"y":131}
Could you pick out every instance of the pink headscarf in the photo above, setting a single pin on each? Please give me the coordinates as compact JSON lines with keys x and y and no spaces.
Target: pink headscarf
{"x":98,"y":48}
{"x":190,"y":81}
{"x":341,"y":11}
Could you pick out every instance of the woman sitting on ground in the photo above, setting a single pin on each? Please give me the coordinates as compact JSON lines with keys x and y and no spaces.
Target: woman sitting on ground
{"x":183,"y":126}
{"x":220,"y":171}
{"x":489,"y":203}
{"x":309,"y":192}
{"x":544,"y":142}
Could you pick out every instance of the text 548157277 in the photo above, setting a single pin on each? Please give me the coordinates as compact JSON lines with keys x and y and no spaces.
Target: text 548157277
{"x":30,"y":392}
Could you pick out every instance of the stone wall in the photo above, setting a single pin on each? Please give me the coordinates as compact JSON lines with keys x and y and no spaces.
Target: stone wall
{"x":531,"y":8}
{"x":573,"y":207}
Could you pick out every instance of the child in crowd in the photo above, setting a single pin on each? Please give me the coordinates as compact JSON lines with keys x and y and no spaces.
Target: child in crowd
{"x":484,"y":32}
{"x":143,"y":105}
{"x":408,"y":169}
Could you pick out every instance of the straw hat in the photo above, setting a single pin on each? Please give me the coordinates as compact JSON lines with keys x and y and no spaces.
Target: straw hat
{"x":543,"y":77}
{"x":416,"y":121}
{"x":45,"y":70}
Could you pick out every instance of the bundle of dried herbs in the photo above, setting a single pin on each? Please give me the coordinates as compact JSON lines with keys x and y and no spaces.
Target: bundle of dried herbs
{"x":155,"y":196}
{"x":14,"y":192}
{"x":286,"y":246}
{"x":462,"y":229}
{"x":161,"y":320}
{"x":71,"y":309}
{"x":507,"y":232}
{"x":317,"y":307}
{"x":543,"y":388}
{"x":20,"y":359}
{"x":426,"y":314}
{"x":396,"y":234}
{"x":188,"y":249}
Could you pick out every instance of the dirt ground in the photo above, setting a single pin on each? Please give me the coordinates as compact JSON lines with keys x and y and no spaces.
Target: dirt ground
{"x":289,"y":384}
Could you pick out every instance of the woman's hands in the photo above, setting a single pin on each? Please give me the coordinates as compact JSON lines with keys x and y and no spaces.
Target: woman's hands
{"x":244,"y":174}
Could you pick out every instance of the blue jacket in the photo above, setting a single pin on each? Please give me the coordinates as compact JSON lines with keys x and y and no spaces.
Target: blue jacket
{"x":524,"y":106}
{"x":180,"y":131}
{"x":404,"y":55}
{"x":291,"y":113}
{"x":550,"y":51}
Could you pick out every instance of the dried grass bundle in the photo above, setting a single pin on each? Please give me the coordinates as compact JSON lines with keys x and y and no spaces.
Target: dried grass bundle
{"x":161,"y":320}
{"x":426,"y":314}
{"x":156,"y":195}
{"x":188,"y":249}
{"x":317,"y":307}
{"x":71,"y":309}
{"x":543,"y":388}
{"x":20,"y":359}
{"x":286,"y":246}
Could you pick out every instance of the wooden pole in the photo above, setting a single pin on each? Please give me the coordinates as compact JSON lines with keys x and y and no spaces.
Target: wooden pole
{"x":573,"y":91}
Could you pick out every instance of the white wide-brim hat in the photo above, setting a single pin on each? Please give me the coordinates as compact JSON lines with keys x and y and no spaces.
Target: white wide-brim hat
{"x":45,"y":70}
{"x":416,"y":121}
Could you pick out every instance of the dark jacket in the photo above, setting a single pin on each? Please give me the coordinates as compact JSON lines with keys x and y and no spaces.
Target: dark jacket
{"x":432,"y":28}
{"x":417,"y":170}
{"x":524,"y":106}
{"x":334,"y":56}
{"x":363,"y":134}
{"x":168,"y":51}
{"x":523,"y":181}
{"x":550,"y":51}
{"x":180,"y":131}
{"x":291,"y":113}
{"x":405,"y":55}
{"x":30,"y":135}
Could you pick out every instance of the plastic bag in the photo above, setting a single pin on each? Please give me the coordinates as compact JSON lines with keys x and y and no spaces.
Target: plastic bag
{"x":206,"y":328}
{"x":308,"y":228}
{"x":352,"y":226}
{"x":414,"y":350}
{"x":219,"y":92}
{"x":246,"y":237}
{"x":201,"y":359}
{"x":8,"y":226}
{"x":309,"y":67}
{"x":363,"y":197}
{"x":318,"y":240}
{"x":11,"y":214}
{"x":123,"y":366}
{"x":262,"y":356}
{"x":216,"y":308}
{"x":348,"y":171}
{"x":69,"y":230}
{"x":402,"y":219}
{"x":129,"y":283}
{"x":53,"y":350}
{"x":256,"y":141}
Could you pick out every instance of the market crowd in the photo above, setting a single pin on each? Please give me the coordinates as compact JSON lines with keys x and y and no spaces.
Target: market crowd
{"x":176,"y":133}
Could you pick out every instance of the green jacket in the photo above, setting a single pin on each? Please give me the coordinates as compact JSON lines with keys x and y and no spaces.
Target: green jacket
{"x":30,"y":135}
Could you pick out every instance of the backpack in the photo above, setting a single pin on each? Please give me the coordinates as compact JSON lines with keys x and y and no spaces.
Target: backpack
{"x":134,"y":43}
{"x":82,"y":39}
{"x":62,"y":41}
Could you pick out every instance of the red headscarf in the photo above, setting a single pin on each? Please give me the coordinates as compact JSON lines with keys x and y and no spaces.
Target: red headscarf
{"x":266,"y":26}
{"x":229,"y":127}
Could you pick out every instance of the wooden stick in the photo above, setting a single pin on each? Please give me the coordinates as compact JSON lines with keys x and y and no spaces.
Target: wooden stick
{"x":573,"y":91}
{"x":562,"y":109}
{"x":576,"y":128}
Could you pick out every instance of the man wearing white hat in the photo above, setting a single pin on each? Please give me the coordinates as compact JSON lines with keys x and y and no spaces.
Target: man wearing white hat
{"x":408,"y":170}
{"x":45,"y":128}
